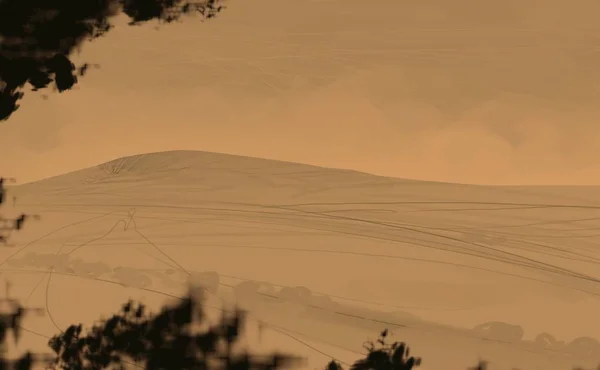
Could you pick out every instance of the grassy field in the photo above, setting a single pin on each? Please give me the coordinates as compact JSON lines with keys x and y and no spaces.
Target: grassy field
{"x":427,"y":260}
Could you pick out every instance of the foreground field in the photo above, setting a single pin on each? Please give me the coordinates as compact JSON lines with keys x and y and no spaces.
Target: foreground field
{"x":427,"y":260}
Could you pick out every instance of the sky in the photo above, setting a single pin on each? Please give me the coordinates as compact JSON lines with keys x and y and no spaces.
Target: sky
{"x":494,"y":92}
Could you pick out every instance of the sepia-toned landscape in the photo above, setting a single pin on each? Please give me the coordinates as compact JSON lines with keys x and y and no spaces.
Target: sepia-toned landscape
{"x":408,"y":171}
{"x":323,"y":259}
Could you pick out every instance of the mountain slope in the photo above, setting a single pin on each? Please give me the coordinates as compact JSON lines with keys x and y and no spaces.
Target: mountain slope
{"x":454,"y":254}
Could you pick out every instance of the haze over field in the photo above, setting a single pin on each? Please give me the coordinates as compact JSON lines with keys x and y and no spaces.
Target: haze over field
{"x":456,"y":203}
{"x":429,"y":260}
{"x":462,"y":91}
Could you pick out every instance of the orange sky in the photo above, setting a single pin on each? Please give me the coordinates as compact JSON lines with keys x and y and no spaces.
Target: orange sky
{"x":460,"y":91}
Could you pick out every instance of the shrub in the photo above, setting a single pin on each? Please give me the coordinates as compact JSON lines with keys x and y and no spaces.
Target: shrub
{"x":168,"y":340}
{"x":382,"y":355}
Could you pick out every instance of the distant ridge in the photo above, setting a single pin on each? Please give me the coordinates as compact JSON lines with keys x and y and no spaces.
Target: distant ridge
{"x":184,"y":160}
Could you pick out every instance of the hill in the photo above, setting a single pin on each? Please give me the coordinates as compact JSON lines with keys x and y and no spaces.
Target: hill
{"x":435,"y":257}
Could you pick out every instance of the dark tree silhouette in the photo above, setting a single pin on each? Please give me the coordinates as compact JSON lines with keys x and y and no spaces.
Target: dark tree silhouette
{"x":10,"y":323}
{"x":383,"y":355}
{"x":10,"y":225}
{"x":37,"y":37}
{"x":166,"y":341}
{"x":13,"y":312}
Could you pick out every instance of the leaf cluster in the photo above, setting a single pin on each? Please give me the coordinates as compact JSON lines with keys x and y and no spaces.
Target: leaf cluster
{"x":38,"y":38}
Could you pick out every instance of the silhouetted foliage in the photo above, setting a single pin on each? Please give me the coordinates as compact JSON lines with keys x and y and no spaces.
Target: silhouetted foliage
{"x":10,"y":322}
{"x":382,"y":355}
{"x":9,"y":225}
{"x":37,"y":37}
{"x":13,"y":312}
{"x":166,"y":340}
